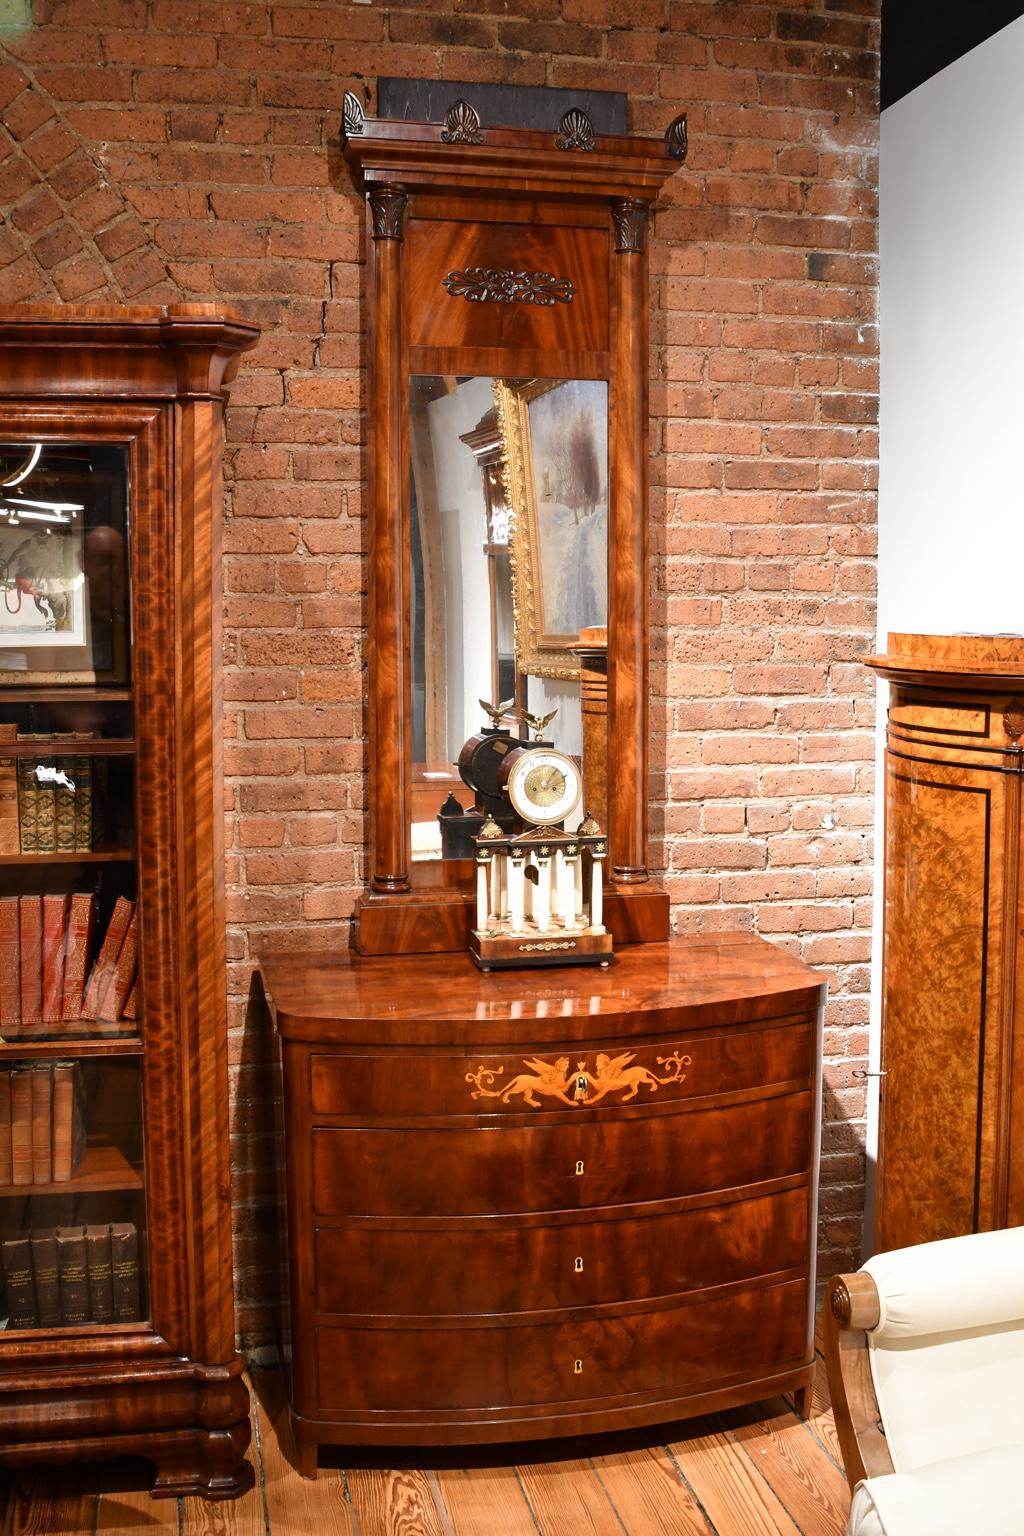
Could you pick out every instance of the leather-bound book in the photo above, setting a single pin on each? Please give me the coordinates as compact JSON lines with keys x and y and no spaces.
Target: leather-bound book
{"x":112,"y":1003}
{"x":77,"y":952}
{"x":100,"y":1273}
{"x":10,"y":968}
{"x":83,"y":804}
{"x":103,"y":969}
{"x":124,"y":1259}
{"x":21,"y":1291}
{"x":28,"y":805}
{"x":68,"y":1121}
{"x":42,"y":1124}
{"x":64,"y":804}
{"x":74,"y":1280}
{"x":131,"y":1007}
{"x":40,"y":798}
{"x":21,"y":1125}
{"x":55,"y":923}
{"x":30,"y":922}
{"x":5,"y":1125}
{"x":10,"y":825}
{"x":44,"y":1269}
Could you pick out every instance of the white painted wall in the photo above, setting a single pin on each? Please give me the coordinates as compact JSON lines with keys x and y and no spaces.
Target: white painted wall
{"x":951,"y":489}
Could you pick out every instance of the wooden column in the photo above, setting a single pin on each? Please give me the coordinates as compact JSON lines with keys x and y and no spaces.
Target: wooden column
{"x":389,"y":564}
{"x":627,"y":548}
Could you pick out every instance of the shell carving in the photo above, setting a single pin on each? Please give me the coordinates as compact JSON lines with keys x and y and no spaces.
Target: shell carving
{"x":352,"y":120}
{"x":677,"y":138}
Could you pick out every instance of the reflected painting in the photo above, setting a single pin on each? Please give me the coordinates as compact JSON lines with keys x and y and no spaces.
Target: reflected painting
{"x":508,"y":553}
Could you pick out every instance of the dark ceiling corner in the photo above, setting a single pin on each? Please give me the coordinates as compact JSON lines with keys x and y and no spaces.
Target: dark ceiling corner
{"x":920,"y":37}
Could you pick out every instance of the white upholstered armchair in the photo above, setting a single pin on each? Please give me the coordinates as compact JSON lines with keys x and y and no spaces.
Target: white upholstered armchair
{"x":925,"y":1355}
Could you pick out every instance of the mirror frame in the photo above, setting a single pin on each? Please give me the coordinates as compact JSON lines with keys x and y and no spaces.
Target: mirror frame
{"x":570,"y":191}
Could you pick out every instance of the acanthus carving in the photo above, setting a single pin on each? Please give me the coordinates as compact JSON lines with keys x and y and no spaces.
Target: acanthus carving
{"x":387,"y":211}
{"x":502,"y":285}
{"x":677,"y":138}
{"x":629,"y":216}
{"x":461,"y":125}
{"x":576,"y":131}
{"x":352,"y":119}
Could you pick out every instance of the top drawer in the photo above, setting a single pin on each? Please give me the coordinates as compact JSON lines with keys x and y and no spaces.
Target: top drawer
{"x":366,"y":1087}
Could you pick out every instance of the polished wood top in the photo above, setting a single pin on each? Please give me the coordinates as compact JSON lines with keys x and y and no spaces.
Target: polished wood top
{"x":974,"y":661}
{"x":724,"y":980}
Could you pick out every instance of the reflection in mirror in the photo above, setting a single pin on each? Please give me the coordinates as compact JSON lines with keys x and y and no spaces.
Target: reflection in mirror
{"x":509,"y":561}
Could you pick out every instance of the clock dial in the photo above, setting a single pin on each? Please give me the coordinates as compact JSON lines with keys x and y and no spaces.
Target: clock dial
{"x":543,"y":785}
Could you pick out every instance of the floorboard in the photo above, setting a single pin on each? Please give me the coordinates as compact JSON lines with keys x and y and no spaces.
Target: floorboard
{"x":757,"y":1471}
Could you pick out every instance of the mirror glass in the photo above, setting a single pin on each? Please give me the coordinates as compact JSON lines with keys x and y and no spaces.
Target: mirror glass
{"x":509,"y":563}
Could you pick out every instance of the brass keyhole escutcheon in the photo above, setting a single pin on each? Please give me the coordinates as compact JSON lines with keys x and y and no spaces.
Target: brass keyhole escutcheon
{"x":577,"y":1368}
{"x":578,"y":1266}
{"x":579,"y":1169}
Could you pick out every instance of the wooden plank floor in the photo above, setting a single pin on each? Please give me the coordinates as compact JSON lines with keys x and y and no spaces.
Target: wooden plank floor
{"x":749,"y":1472}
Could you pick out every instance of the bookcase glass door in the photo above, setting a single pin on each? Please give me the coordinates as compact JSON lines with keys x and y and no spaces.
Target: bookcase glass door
{"x":72,"y":1180}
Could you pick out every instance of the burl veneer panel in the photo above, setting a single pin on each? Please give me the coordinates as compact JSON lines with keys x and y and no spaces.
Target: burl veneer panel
{"x":937,"y":932}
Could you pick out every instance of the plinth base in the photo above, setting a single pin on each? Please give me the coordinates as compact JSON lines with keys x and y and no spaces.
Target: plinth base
{"x":497,"y":951}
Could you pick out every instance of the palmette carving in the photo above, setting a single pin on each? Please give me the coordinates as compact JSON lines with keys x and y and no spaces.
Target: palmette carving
{"x":677,"y":138}
{"x":461,"y":125}
{"x":352,"y":120}
{"x":503,"y":285}
{"x":554,"y":1080}
{"x":575,"y":131}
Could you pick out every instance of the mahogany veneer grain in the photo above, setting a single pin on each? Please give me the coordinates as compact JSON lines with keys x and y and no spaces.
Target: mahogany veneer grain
{"x":473,"y":1259}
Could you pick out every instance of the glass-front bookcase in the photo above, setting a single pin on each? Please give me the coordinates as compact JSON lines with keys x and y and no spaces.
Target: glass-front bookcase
{"x":72,"y":1161}
{"x":115,"y":1244}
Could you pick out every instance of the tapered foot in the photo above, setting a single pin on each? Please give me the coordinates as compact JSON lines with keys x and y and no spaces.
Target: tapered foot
{"x":802,"y":1400}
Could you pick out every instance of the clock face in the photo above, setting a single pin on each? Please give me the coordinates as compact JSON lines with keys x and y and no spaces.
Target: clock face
{"x":543,"y":785}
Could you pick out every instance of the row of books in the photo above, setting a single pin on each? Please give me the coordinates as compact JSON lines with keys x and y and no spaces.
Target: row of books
{"x":42,"y":1124}
{"x":45,"y":803}
{"x":48,"y":976}
{"x":57,"y":1276}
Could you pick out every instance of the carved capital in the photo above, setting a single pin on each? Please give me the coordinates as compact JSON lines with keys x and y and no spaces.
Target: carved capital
{"x":575,"y":131}
{"x":676,"y":137}
{"x":352,"y":119}
{"x":629,"y":216}
{"x":461,"y":125}
{"x":387,"y":211}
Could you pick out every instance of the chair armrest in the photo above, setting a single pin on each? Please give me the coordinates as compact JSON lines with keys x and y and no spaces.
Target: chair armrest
{"x":850,"y":1307}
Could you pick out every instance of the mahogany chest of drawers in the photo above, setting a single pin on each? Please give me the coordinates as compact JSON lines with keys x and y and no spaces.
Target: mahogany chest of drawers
{"x":541,"y":1202}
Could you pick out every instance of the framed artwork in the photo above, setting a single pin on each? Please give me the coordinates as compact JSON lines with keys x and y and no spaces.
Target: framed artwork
{"x":63,"y":573}
{"x":555,"y":445}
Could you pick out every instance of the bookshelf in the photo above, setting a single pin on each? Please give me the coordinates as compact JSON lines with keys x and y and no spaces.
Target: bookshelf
{"x":114,"y":1217}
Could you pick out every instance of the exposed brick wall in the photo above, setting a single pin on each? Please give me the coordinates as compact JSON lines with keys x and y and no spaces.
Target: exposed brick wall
{"x":152,"y":149}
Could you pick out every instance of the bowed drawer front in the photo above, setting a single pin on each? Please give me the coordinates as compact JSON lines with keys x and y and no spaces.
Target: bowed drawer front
{"x":504,"y":1223}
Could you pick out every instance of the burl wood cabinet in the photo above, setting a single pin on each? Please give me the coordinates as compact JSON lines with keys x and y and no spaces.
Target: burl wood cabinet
{"x":952,"y":1094}
{"x":529,"y":1204}
{"x":114,"y":1209}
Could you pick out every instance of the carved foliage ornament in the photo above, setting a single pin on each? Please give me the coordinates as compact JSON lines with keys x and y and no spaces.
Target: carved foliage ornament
{"x":501,"y":285}
{"x":352,"y":120}
{"x":1013,"y":720}
{"x":387,"y":211}
{"x":629,"y":216}
{"x":575,"y":131}
{"x":461,"y":125}
{"x":554,"y":1080}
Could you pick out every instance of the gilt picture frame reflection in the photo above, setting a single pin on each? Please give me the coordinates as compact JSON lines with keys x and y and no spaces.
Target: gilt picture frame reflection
{"x":555,"y":446}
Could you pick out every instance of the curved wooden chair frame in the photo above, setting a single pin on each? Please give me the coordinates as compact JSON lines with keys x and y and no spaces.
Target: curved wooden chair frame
{"x":850,"y":1309}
